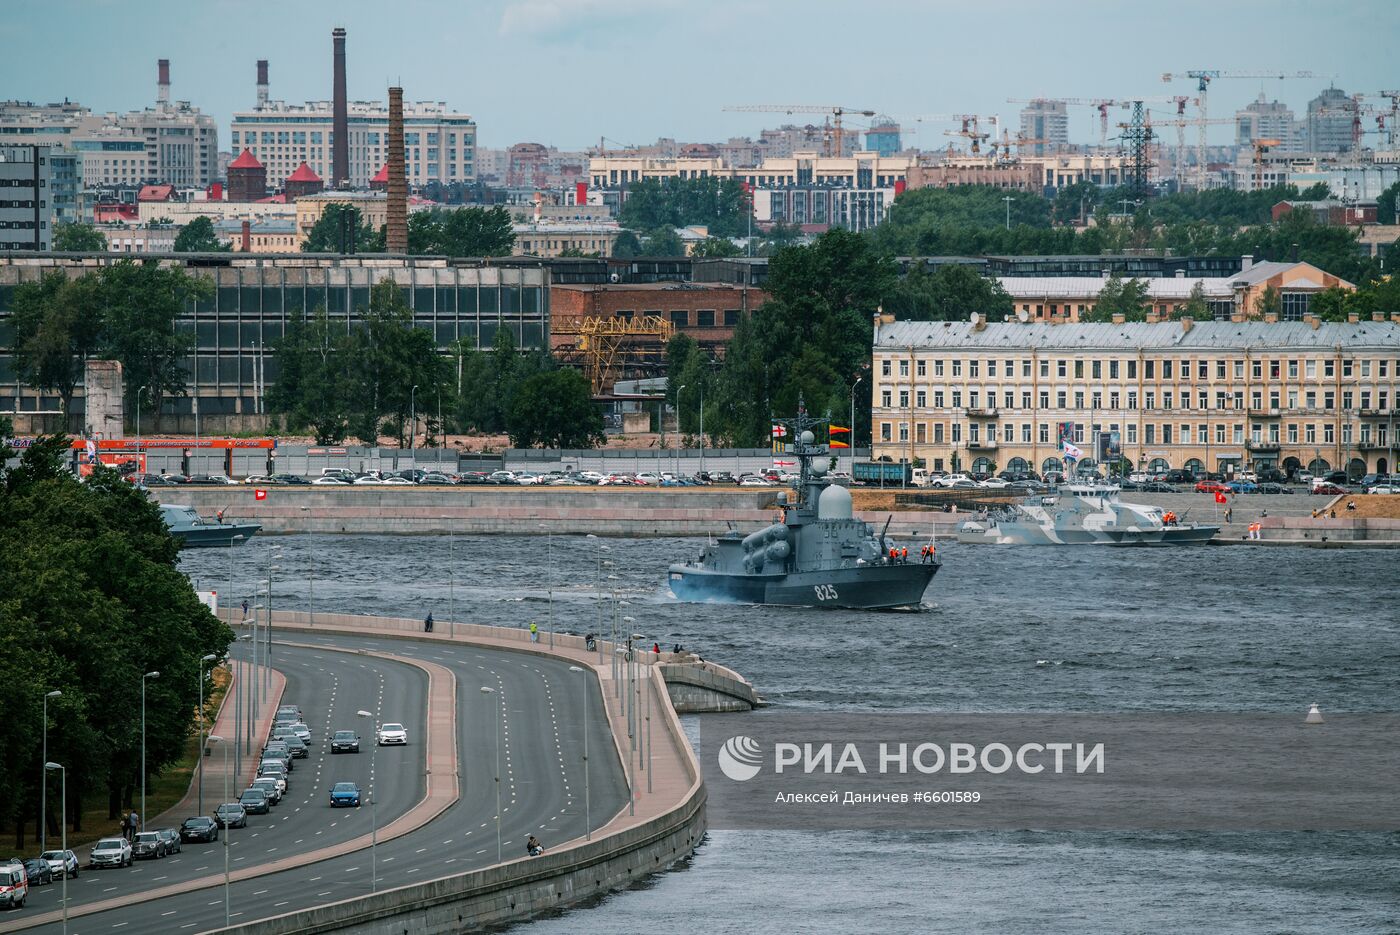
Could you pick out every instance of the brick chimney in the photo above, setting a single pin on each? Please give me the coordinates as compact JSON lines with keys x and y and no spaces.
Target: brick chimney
{"x":247,"y":237}
{"x":1119,"y":318}
{"x":1271,"y":318}
{"x":340,"y":114}
{"x":1378,"y":316}
{"x":262,"y":83}
{"x":1187,"y":323}
{"x":1314,"y":322}
{"x":396,"y":227}
{"x":1353,"y":318}
{"x":163,"y":81}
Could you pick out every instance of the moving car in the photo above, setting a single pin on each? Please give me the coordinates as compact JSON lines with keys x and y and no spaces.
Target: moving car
{"x":61,"y":862}
{"x":38,"y":871}
{"x":231,"y":815}
{"x":1384,"y":488}
{"x":345,"y":741}
{"x":345,"y":793}
{"x":199,"y":828}
{"x":1330,"y":490}
{"x":14,"y":885}
{"x":392,"y":734}
{"x":148,"y":844}
{"x":110,"y":852}
{"x":254,"y":801}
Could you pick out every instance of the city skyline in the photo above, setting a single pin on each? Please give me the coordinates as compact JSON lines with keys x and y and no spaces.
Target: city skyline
{"x":519,"y":79}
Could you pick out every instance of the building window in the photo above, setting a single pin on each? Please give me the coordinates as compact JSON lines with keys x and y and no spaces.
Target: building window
{"x":705,"y":318}
{"x":731,"y":317}
{"x":884,"y":368}
{"x":884,"y":431}
{"x":904,"y":368}
{"x":885,"y":398}
{"x":1296,"y":305}
{"x":921,"y":368}
{"x":680,"y":319}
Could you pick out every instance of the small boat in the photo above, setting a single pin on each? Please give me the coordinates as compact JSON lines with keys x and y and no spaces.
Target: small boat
{"x":197,"y":532}
{"x":1083,"y":514}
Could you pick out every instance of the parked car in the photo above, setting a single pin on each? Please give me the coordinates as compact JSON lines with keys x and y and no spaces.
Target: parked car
{"x":1302,"y":477}
{"x":1157,"y":487}
{"x":753,"y":480}
{"x":367,"y":480}
{"x":345,"y":741}
{"x":501,"y":477}
{"x":171,"y":837}
{"x":330,"y":482}
{"x":396,"y":481}
{"x":1243,"y":486}
{"x":269,"y":785}
{"x":199,"y":828}
{"x":147,"y":844}
{"x":1384,"y":489}
{"x":62,"y":862}
{"x":994,"y":483}
{"x":392,"y":734}
{"x":289,"y":479}
{"x":1329,"y":490}
{"x":648,"y":478}
{"x":255,"y":801}
{"x":14,"y":885}
{"x":281,"y":780}
{"x":345,"y":793}
{"x":528,"y":479}
{"x":475,"y":477}
{"x":110,"y":852}
{"x":38,"y":871}
{"x":1272,"y":488}
{"x":1211,"y":486}
{"x":231,"y":815}
{"x":948,"y":480}
{"x":435,"y":478}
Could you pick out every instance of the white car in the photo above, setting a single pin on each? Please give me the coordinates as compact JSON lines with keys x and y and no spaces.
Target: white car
{"x":996,"y":483}
{"x":591,"y":476}
{"x":502,"y":477}
{"x":391,"y":734}
{"x":367,"y":479}
{"x":257,"y":479}
{"x":753,"y":480}
{"x":526,"y":479}
{"x":952,"y":480}
{"x":330,"y":481}
{"x":1384,"y":488}
{"x":281,"y":784}
{"x":649,"y":478}
{"x":397,"y":482}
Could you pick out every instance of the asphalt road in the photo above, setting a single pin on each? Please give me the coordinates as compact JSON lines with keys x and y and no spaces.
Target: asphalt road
{"x":542,"y":791}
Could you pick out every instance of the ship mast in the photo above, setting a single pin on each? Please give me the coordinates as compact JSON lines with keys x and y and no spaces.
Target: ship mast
{"x":805,"y":450}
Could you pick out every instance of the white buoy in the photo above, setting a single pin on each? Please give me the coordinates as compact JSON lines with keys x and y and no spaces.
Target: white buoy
{"x":1314,"y":715}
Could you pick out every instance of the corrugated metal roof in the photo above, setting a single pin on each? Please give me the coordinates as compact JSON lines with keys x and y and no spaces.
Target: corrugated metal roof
{"x":1131,"y":336}
{"x":1079,"y":287}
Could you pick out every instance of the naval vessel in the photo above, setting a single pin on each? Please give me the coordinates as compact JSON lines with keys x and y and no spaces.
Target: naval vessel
{"x":817,"y":555}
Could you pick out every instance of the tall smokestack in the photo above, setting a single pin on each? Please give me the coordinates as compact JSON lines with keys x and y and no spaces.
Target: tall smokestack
{"x":396,"y":234}
{"x":163,"y":81}
{"x":262,"y":83}
{"x":340,"y":128}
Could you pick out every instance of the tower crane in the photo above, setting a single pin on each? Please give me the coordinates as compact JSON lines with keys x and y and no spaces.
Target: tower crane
{"x":1260,"y":148}
{"x":1203,"y":78}
{"x":835,"y":111}
{"x":1102,"y":104}
{"x":1181,"y":123}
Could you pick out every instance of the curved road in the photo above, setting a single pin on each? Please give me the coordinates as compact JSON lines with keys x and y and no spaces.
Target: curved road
{"x":542,"y":790}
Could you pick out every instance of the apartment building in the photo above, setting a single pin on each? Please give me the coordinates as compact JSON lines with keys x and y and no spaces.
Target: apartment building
{"x":26,"y":198}
{"x":1204,"y":396}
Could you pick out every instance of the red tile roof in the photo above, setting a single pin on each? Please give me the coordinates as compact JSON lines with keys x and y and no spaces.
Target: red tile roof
{"x":156,"y":193}
{"x":246,"y":160}
{"x":303,"y":174}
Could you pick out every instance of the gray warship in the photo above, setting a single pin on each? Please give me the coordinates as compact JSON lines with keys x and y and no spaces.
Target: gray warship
{"x":1084,"y":514}
{"x":819,"y":555}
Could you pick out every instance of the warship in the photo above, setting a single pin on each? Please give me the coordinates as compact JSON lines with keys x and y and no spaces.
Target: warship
{"x":817,"y":555}
{"x":1083,"y":514}
{"x":196,"y":532}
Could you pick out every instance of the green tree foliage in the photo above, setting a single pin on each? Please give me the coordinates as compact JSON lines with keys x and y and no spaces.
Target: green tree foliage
{"x":663,"y":241}
{"x":461,"y":232}
{"x":198,"y":237}
{"x":1196,"y":306}
{"x":627,"y":244}
{"x":78,"y":238}
{"x":90,"y":598}
{"x":1076,"y":203}
{"x":715,"y":247}
{"x":1269,"y":302}
{"x":689,"y":376}
{"x":810,"y":340}
{"x":332,"y":235}
{"x":387,"y":356}
{"x":1120,"y":297}
{"x":314,"y":376}
{"x":949,"y":293}
{"x":57,"y":324}
{"x":1336,"y":304}
{"x":1386,"y":205}
{"x":938,"y":221}
{"x":718,"y":204}
{"x":555,"y":409}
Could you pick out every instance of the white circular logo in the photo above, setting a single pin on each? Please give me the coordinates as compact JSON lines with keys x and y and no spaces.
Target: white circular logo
{"x":740,"y":758}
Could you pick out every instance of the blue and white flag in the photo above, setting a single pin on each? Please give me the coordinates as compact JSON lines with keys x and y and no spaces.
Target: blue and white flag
{"x":1071,"y":452}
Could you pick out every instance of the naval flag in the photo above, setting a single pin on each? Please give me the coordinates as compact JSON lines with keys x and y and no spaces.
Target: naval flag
{"x":1071,"y":452}
{"x":836,"y":444}
{"x":780,"y":431}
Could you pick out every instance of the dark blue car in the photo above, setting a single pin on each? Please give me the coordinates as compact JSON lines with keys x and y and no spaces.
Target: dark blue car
{"x":345,"y":793}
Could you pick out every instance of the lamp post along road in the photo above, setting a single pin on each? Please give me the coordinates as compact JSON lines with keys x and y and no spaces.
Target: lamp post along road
{"x":310,"y":575}
{"x":209,"y":658}
{"x":44,"y":786}
{"x":631,"y":762}
{"x":373,"y":817}
{"x":485,"y":690}
{"x":413,"y":421}
{"x":228,"y":829}
{"x":144,"y":678}
{"x":587,"y":794}
{"x":63,"y":820}
{"x":852,"y":427}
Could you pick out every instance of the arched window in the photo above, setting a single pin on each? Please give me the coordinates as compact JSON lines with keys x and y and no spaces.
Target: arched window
{"x":1051,"y":464}
{"x":1195,"y":466}
{"x":1018,"y":465}
{"x":1318,"y":467}
{"x":1086,"y":466}
{"x":983,"y":466}
{"x":1158,"y":465}
{"x":1356,"y":469}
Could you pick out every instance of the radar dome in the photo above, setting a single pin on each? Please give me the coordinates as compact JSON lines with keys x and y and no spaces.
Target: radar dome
{"x":808,"y":438}
{"x":819,"y":470}
{"x":835,"y":503}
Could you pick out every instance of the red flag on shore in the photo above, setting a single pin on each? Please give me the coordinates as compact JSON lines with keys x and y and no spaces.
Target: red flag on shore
{"x":1220,"y":497}
{"x":259,"y":493}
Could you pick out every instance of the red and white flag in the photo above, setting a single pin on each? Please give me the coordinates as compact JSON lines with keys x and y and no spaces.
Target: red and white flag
{"x":780,"y":431}
{"x":259,"y":493}
{"x":784,"y":463}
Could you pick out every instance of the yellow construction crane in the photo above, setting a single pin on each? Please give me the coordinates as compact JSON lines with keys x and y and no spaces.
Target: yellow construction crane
{"x":835,"y":111}
{"x":605,"y":341}
{"x":1181,"y":123}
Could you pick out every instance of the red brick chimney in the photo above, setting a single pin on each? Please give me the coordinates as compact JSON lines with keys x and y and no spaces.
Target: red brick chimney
{"x":247,"y":237}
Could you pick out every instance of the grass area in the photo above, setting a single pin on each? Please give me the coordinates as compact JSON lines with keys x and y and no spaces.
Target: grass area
{"x":163,"y":791}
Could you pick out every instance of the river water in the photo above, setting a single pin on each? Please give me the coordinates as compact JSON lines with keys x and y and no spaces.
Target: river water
{"x":1015,"y":629}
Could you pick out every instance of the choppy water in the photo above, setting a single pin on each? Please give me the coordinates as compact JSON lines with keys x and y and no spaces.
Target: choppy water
{"x":1213,"y":629}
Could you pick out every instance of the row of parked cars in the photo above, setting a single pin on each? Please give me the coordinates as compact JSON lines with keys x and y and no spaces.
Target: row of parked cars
{"x":18,"y":874}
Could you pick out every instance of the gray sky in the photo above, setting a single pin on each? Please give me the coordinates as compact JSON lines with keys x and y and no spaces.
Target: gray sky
{"x":564,"y":72}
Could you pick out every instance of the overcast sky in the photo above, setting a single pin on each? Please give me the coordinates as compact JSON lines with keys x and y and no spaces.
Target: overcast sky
{"x":564,"y":72}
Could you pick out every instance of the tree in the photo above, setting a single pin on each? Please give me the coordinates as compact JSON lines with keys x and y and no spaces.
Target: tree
{"x":461,"y":232}
{"x":1117,"y":297}
{"x":951,"y":292}
{"x":198,"y":237}
{"x":555,"y":410}
{"x":57,"y":324}
{"x":1075,"y":203}
{"x":333,"y":234}
{"x":142,"y":302}
{"x":715,"y":247}
{"x":78,"y":238}
{"x":387,"y":356}
{"x":313,"y":376}
{"x":663,"y":241}
{"x":1386,"y":205}
{"x":1269,"y":302}
{"x":679,"y":351}
{"x":627,"y":245}
{"x":721,"y":205}
{"x":1196,"y":306}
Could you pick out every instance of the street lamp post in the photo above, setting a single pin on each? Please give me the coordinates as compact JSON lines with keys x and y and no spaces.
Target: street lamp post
{"x":413,"y":420}
{"x":702,"y":428}
{"x":485,"y":690}
{"x":144,"y":678}
{"x":203,"y":659}
{"x":233,"y":540}
{"x":587,"y":795}
{"x":853,"y":425}
{"x":451,"y":577}
{"x":623,"y":703}
{"x":63,"y":792}
{"x":373,"y":818}
{"x":1008,"y":199}
{"x":679,"y":436}
{"x":549,"y":572}
{"x":228,"y":828}
{"x":310,"y":577}
{"x":637,"y":640}
{"x":44,"y":787}
{"x":631,"y":761}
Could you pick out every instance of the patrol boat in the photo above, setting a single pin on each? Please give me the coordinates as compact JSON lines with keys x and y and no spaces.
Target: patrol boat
{"x":1083,"y":514}
{"x":819,"y":555}
{"x":197,"y":532}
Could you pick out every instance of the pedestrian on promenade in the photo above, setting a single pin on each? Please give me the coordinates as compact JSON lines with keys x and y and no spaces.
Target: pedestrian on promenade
{"x":245,"y":607}
{"x":135,"y":822}
{"x":534,"y":633}
{"x":428,"y":623}
{"x":126,"y":826}
{"x":656,"y":648}
{"x":533,"y":847}
{"x":1229,"y":512}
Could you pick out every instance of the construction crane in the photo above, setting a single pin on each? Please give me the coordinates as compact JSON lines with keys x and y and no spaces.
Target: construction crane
{"x":972,"y":131}
{"x":605,"y":342}
{"x":1181,"y":123}
{"x":1203,"y":78}
{"x":1260,"y":148}
{"x":1102,"y":104}
{"x":835,"y":111}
